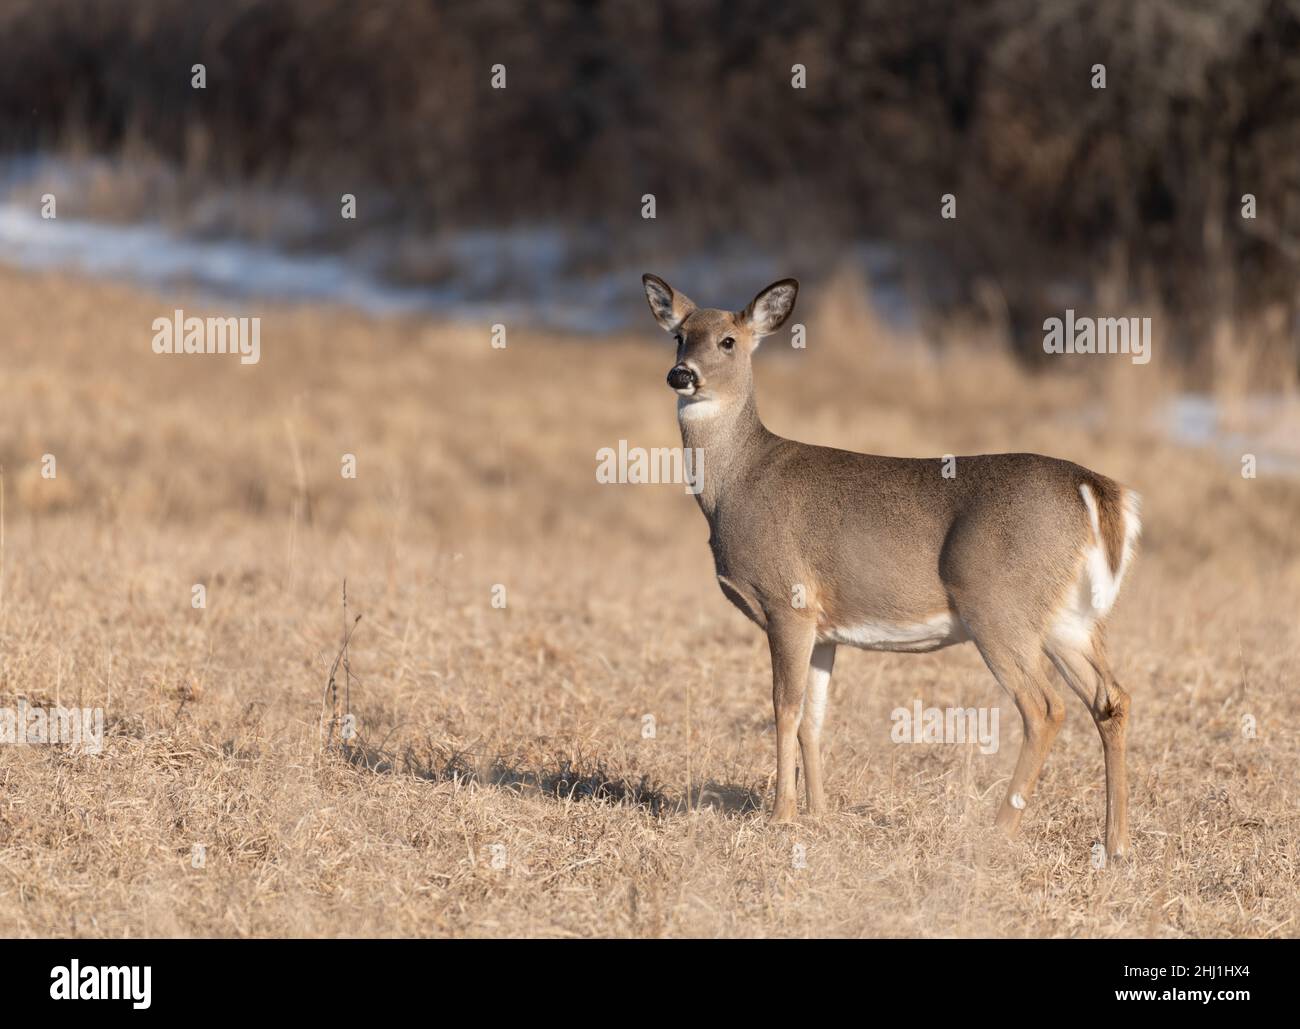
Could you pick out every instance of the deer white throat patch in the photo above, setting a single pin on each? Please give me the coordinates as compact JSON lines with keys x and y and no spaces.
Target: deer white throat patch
{"x":690,"y":409}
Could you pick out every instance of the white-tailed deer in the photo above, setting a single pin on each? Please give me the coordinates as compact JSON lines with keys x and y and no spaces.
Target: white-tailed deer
{"x":1020,"y":554}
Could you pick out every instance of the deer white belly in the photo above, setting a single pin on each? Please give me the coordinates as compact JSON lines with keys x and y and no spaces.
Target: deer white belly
{"x":940,"y":630}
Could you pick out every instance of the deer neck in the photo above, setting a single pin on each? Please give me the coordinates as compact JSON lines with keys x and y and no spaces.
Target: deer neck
{"x":723,"y":436}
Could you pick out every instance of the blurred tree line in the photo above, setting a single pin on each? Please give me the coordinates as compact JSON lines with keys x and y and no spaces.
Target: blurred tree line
{"x":1066,"y":192}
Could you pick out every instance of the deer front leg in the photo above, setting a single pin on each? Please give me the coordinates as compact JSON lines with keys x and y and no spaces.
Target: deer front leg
{"x":791,"y":641}
{"x":810,"y":724}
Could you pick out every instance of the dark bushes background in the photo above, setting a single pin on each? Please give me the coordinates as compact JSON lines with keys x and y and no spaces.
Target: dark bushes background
{"x":1134,"y":190}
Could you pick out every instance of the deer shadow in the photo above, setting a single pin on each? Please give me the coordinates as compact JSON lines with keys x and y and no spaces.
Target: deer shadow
{"x":563,"y":780}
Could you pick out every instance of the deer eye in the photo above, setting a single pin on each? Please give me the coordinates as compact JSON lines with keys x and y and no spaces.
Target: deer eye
{"x":727,"y":343}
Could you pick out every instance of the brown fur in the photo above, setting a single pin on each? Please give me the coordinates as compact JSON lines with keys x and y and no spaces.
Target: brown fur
{"x":1110,"y":515}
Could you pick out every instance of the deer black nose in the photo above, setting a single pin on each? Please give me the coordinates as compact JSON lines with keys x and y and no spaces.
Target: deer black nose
{"x":681,"y":377}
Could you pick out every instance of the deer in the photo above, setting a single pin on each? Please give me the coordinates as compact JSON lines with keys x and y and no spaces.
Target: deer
{"x":1020,"y":554}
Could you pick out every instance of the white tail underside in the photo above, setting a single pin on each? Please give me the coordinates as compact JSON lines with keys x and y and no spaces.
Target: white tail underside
{"x":1097,"y":587}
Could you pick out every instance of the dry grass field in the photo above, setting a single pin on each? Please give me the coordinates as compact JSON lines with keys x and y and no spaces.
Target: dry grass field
{"x":501,"y":784}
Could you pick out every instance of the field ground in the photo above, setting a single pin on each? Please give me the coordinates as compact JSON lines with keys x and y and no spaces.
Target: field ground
{"x":503,"y":785}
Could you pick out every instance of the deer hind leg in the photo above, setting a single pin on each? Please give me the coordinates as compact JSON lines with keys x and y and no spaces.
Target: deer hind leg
{"x":810,"y":724}
{"x":1083,"y":665}
{"x":1016,"y":661}
{"x":791,"y":641}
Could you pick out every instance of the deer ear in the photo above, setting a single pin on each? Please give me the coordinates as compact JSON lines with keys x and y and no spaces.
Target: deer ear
{"x":669,"y":307}
{"x":768,"y":311}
